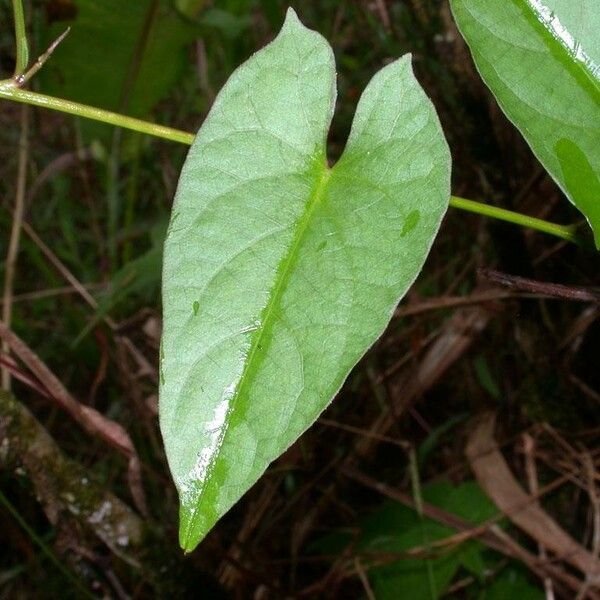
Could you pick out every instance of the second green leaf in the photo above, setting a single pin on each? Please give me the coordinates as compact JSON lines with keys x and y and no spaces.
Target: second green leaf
{"x":541,"y":59}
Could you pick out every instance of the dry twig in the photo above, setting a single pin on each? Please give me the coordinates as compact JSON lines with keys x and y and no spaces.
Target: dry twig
{"x":496,"y":479}
{"x":89,"y":418}
{"x":544,"y":288}
{"x":15,"y":233}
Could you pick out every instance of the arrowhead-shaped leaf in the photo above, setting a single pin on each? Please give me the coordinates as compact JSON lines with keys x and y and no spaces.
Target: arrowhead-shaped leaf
{"x":280,"y":272}
{"x":541,"y":59}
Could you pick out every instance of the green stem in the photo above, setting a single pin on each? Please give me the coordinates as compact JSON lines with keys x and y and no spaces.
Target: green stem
{"x":22,"y":59}
{"x":565,"y":232}
{"x":10,"y":91}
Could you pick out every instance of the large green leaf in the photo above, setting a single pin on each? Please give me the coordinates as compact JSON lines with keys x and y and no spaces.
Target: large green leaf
{"x":280,"y":272}
{"x":541,"y":59}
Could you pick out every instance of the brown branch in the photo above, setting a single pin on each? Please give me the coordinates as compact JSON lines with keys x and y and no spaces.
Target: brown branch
{"x":544,"y":288}
{"x":15,"y":232}
{"x":90,"y":419}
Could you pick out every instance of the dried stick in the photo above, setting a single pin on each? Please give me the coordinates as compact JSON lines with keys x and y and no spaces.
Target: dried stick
{"x":551,"y":290}
{"x":498,"y":482}
{"x":15,"y":233}
{"x":532,"y":482}
{"x":89,"y":418}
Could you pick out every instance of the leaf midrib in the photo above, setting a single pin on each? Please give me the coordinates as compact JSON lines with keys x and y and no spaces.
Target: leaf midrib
{"x":283,"y":273}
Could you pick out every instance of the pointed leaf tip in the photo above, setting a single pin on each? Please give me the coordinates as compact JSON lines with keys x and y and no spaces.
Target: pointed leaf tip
{"x":291,"y":16}
{"x":292,"y":23}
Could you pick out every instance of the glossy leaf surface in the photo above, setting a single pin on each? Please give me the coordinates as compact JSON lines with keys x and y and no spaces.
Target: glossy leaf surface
{"x":541,"y":59}
{"x":280,"y":272}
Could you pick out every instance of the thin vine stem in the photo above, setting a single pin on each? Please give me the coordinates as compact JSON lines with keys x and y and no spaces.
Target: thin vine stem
{"x":565,"y":232}
{"x":22,"y":59}
{"x":10,"y":91}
